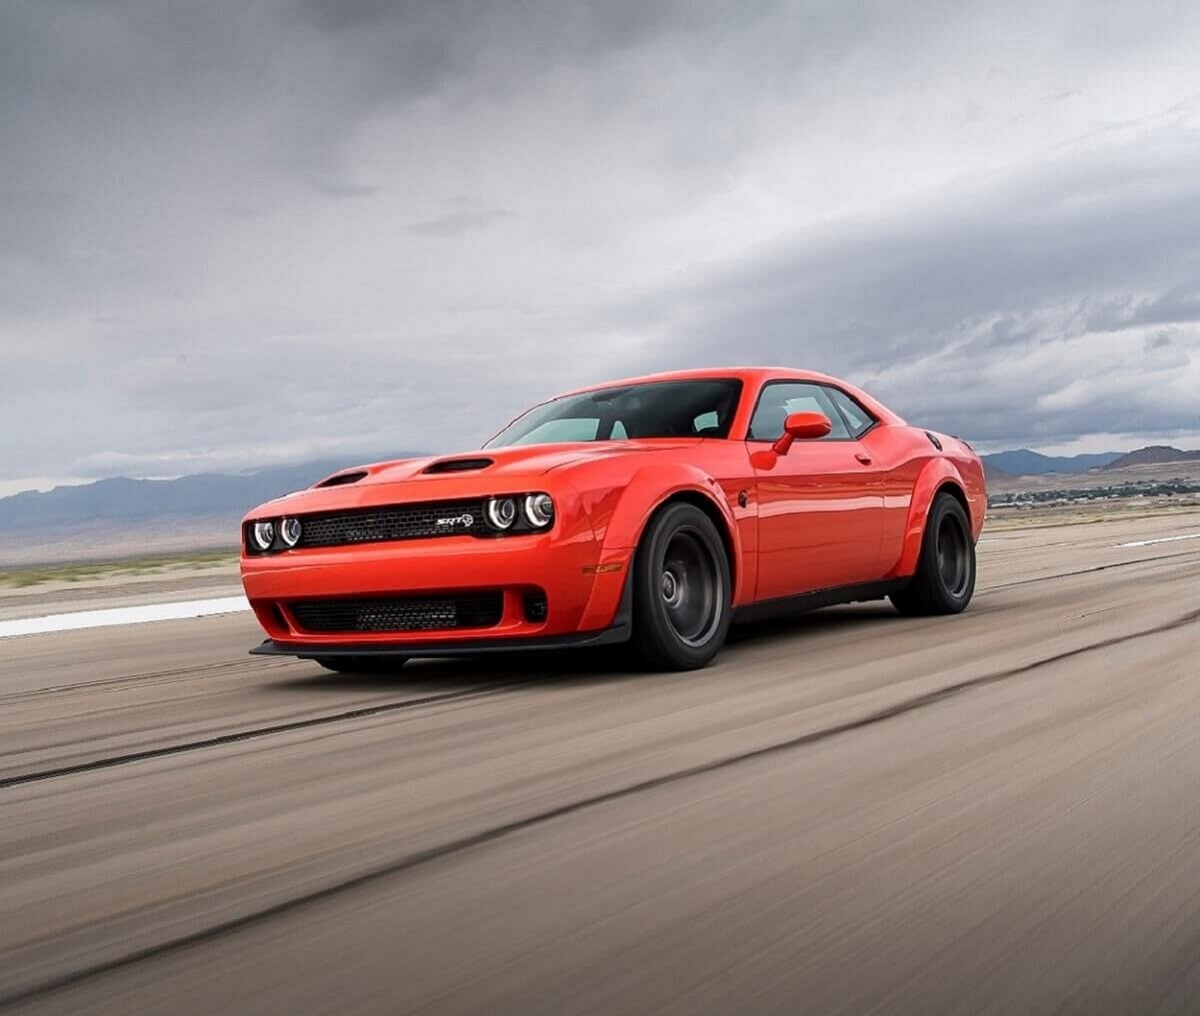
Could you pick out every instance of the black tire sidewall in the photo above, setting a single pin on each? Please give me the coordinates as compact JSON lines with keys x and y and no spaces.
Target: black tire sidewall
{"x":945,"y":601}
{"x":654,"y":636}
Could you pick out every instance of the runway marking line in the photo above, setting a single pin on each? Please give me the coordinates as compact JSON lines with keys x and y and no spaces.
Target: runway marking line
{"x":112,"y":616}
{"x":1161,"y":539}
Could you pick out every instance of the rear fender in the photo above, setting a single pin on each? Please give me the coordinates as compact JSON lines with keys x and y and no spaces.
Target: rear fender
{"x":936,"y":474}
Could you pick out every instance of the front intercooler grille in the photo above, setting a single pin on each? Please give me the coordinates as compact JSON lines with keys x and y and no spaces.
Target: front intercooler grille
{"x":399,"y":613}
{"x":395,"y":522}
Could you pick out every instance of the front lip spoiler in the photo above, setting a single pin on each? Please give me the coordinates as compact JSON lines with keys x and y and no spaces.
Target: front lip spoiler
{"x":614,"y":635}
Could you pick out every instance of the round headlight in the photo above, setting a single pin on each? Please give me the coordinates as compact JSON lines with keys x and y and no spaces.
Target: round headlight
{"x":501,"y":512}
{"x":539,"y":510}
{"x":263,"y":535}
{"x":290,"y":530}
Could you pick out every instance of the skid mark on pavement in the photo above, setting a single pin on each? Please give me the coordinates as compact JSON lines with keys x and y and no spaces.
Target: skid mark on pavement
{"x":418,"y":859}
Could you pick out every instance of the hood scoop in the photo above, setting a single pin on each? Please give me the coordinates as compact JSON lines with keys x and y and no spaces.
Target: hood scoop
{"x":458,"y":465}
{"x":341,"y":479}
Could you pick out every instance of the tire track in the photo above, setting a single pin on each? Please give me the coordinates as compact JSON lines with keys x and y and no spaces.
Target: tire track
{"x":407,"y":863}
{"x":253,"y":733}
{"x":166,"y":676}
{"x":1088,"y":571}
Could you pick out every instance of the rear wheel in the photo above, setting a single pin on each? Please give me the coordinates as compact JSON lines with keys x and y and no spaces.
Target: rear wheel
{"x":945,"y":579}
{"x":361,"y":664}
{"x":681,"y":591}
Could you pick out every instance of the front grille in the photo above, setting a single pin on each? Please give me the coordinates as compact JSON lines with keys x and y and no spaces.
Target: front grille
{"x":393,"y":522}
{"x":399,"y":613}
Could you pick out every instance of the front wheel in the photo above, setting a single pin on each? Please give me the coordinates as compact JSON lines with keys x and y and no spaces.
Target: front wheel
{"x":361,"y":664}
{"x":945,"y":579}
{"x":682,"y":590}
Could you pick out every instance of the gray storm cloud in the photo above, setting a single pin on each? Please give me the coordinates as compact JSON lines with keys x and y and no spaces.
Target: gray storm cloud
{"x":236,"y":233}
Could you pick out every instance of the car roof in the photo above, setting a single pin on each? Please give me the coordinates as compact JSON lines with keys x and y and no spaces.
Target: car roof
{"x":750,"y":376}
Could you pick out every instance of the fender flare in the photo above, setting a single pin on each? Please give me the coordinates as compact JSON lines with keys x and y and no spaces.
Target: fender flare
{"x":650,"y":489}
{"x":936,"y":475}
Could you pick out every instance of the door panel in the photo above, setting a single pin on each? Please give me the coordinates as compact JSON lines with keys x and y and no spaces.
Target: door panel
{"x":821,"y":513}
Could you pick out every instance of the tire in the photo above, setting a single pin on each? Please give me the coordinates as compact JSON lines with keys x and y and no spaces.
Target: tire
{"x":361,"y":664}
{"x":681,"y":590}
{"x":945,"y":578}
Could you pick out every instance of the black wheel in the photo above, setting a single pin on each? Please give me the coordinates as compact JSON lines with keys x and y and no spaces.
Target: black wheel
{"x":681,"y":590}
{"x":945,"y":579}
{"x":361,"y":664}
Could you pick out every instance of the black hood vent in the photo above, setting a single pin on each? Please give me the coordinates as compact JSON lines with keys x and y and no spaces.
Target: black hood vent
{"x":341,"y":479}
{"x":459,"y":465}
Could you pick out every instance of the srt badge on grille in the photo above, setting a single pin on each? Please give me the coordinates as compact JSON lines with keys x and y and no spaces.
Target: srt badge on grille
{"x":466,"y":520}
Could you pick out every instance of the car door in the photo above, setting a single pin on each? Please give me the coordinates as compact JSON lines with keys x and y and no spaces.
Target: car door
{"x":892,"y":462}
{"x":820,"y":504}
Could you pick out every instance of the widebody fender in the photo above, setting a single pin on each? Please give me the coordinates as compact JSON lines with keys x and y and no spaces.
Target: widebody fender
{"x":936,"y":474}
{"x":619,"y":515}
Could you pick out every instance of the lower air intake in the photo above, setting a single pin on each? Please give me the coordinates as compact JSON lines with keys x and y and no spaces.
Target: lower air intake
{"x":399,"y":613}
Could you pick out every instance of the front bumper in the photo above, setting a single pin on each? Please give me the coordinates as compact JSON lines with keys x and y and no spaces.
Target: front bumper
{"x":619,"y":631}
{"x":582,"y":585}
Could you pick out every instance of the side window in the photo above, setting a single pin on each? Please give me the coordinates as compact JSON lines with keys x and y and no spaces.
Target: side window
{"x":780,"y":399}
{"x":858,"y":419}
{"x":707,"y":421}
{"x":618,"y":432}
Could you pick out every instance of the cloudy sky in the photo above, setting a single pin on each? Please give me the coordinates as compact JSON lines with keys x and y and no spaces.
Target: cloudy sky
{"x":240,"y":232}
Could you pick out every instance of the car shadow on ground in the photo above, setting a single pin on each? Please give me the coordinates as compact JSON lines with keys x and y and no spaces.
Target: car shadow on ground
{"x":605,"y":665}
{"x":436,"y":676}
{"x":808,"y":623}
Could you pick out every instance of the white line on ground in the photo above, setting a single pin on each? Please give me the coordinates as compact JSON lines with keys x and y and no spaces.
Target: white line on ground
{"x":123,"y":615}
{"x":1161,"y":539}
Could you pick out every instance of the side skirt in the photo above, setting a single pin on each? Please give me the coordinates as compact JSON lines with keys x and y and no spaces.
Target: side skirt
{"x":764,"y":610}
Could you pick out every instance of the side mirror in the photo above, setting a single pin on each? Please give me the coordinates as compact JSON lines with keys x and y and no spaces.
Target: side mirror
{"x":802,"y":427}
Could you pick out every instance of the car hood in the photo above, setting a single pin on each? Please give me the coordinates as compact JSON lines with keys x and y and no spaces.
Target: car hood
{"x":453,"y":476}
{"x":522,"y":460}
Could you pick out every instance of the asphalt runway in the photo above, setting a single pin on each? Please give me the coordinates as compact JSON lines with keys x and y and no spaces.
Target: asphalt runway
{"x":850,"y":813}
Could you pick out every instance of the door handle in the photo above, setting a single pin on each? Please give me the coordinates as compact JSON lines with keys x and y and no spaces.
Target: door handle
{"x":863,"y":457}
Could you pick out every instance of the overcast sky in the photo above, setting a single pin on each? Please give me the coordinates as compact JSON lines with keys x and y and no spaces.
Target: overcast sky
{"x":238,"y":232}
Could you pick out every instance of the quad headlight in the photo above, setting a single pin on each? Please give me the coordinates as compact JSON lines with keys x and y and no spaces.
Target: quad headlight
{"x":501,"y":513}
{"x":269,"y":535}
{"x":289,"y":532}
{"x":262,"y":535}
{"x":539,"y":510}
{"x":520,"y":513}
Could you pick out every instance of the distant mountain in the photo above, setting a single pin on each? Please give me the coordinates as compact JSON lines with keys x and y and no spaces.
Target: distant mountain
{"x":1153,"y":455}
{"x":1023,"y":462}
{"x":122,"y":500}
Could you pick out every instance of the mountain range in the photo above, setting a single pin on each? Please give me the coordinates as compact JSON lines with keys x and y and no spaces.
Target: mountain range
{"x":1025,"y":462}
{"x":122,"y":499}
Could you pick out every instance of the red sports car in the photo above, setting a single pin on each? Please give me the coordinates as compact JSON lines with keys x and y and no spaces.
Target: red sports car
{"x":657,"y":510}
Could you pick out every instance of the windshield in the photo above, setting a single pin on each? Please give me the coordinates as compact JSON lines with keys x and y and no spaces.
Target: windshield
{"x":655,"y":409}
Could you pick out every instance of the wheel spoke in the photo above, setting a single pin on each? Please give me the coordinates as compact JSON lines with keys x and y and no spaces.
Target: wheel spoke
{"x":691,"y":588}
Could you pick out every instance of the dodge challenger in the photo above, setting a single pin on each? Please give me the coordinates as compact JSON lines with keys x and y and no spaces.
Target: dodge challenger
{"x":656,"y":511}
